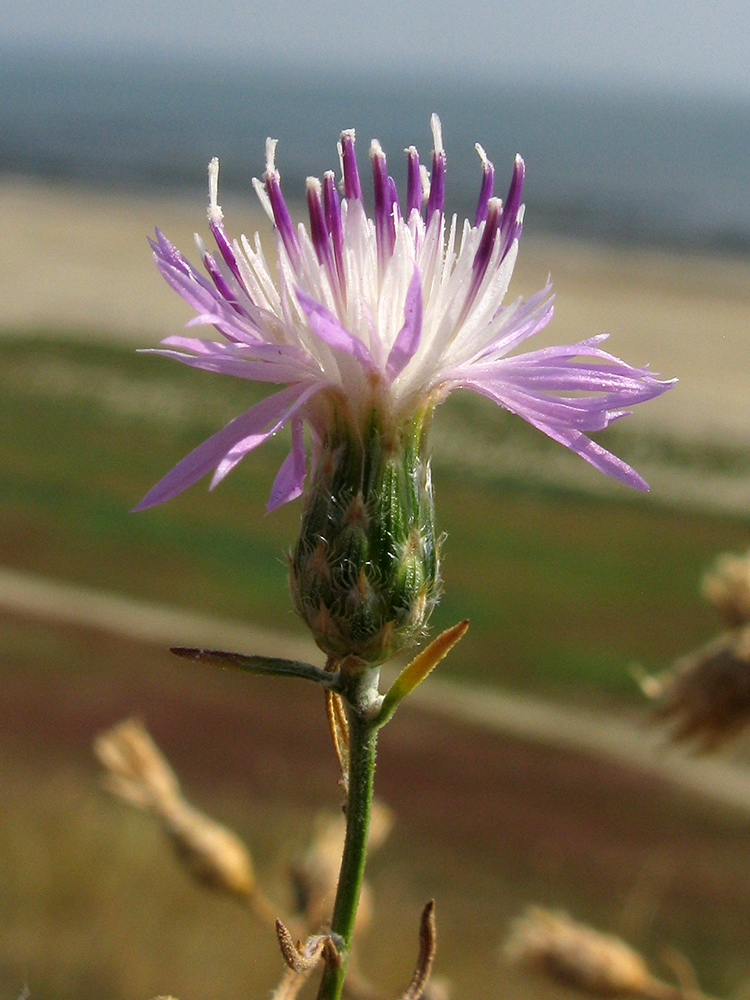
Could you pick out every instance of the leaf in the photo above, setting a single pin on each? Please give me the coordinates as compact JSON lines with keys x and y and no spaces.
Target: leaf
{"x":266,"y":665}
{"x":419,"y":668}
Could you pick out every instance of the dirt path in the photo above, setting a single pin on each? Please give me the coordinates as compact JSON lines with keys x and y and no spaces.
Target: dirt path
{"x":607,"y":736}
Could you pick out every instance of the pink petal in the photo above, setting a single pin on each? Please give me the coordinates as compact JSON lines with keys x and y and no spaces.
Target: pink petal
{"x":210,"y":453}
{"x":289,"y":479}
{"x":327,"y":327}
{"x":407,"y":341}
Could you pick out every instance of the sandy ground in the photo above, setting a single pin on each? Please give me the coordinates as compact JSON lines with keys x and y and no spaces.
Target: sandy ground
{"x":77,"y":260}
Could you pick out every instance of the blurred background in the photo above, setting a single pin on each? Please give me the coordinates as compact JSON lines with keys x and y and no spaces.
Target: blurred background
{"x":634,"y":121}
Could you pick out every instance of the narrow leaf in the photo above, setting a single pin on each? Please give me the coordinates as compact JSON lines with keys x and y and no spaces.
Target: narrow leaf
{"x":268,"y":665}
{"x":419,"y":668}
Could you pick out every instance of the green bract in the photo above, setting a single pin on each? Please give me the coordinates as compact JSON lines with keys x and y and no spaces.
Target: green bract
{"x":364,"y":573}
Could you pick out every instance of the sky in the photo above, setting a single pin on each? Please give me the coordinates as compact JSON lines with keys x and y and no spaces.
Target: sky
{"x":694,"y":46}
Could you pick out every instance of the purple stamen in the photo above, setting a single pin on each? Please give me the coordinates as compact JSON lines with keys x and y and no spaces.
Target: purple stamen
{"x":395,"y":210}
{"x":332,"y":208}
{"x":437,"y":186}
{"x":511,"y":225}
{"x":352,"y":187}
{"x":384,"y":226}
{"x":484,"y":253}
{"x":413,"y":182}
{"x":485,"y":192}
{"x":318,"y":227}
{"x":281,"y":216}
{"x":227,"y":252}
{"x":437,"y":180}
{"x":222,"y":285}
{"x":495,"y":215}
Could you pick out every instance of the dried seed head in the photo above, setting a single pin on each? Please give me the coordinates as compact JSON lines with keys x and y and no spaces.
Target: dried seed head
{"x":573,"y":953}
{"x":706,"y":694}
{"x":727,"y":587}
{"x":136,"y":769}
{"x":139,"y":773}
{"x":316,"y":875}
{"x":212,"y":854}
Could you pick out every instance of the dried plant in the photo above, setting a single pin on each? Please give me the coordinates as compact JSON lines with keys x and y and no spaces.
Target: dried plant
{"x":727,"y":587}
{"x":138,"y":773}
{"x":550,"y":942}
{"x":705,"y":695}
{"x":316,"y":874}
{"x":575,"y":954}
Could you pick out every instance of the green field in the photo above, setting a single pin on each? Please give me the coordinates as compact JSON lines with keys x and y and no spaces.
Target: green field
{"x":564,"y":588}
{"x":93,"y":904}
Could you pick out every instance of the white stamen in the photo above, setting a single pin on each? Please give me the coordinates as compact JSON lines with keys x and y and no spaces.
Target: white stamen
{"x":215,"y":213}
{"x":200,"y":246}
{"x":437,"y":134}
{"x":482,"y":156}
{"x":376,"y":150}
{"x":271,"y":145}
{"x":520,"y":214}
{"x":424,"y":175}
{"x":314,"y":185}
{"x":263,"y":198}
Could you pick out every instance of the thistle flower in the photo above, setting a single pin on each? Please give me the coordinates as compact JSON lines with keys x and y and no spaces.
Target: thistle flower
{"x":368,"y":325}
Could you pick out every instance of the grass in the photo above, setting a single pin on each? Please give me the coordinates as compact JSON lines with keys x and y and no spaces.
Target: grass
{"x":564,"y":589}
{"x":92,"y":902}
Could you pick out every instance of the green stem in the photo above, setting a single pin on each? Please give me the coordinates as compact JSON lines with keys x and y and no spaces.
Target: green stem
{"x":362,"y":739}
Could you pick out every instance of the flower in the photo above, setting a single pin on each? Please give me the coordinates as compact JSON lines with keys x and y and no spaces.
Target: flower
{"x":370,"y":324}
{"x":383,"y":315}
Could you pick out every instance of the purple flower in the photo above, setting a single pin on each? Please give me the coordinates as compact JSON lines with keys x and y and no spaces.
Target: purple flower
{"x":390,"y":313}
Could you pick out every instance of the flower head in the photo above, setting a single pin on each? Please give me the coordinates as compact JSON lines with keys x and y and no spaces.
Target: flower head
{"x":368,"y":325}
{"x":384,"y":315}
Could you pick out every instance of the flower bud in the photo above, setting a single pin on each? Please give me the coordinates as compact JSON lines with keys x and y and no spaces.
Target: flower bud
{"x":364,"y":573}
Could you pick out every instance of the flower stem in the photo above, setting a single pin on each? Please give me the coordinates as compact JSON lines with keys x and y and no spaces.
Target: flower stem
{"x":362,"y":739}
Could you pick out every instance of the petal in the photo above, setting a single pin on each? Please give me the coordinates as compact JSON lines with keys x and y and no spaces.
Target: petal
{"x":407,"y":340}
{"x":289,"y":479}
{"x":247,"y":368}
{"x":601,"y":459}
{"x":325,"y":326}
{"x":574,"y":439}
{"x":257,"y":351}
{"x":257,"y":362}
{"x":241,"y":448}
{"x":211,"y":452}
